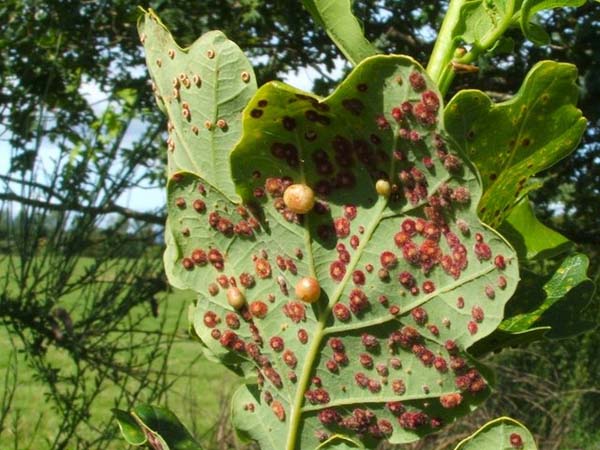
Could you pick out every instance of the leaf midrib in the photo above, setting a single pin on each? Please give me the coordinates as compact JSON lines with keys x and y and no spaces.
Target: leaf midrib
{"x":320,"y":333}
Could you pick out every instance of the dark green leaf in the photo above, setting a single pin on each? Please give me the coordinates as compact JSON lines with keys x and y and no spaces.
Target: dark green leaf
{"x":531,"y":238}
{"x":503,"y":46}
{"x":566,"y":295}
{"x":501,"y":339}
{"x":130,"y":429}
{"x":536,"y":34}
{"x":530,"y":8}
{"x":551,"y":307}
{"x":157,"y":427}
{"x":511,"y":141}
{"x":482,"y":22}
{"x":336,"y":17}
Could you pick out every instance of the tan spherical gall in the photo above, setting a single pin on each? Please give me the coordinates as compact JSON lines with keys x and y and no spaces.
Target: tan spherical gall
{"x":383,"y":187}
{"x":299,"y":198}
{"x":308,"y":290}
{"x":236,"y":298}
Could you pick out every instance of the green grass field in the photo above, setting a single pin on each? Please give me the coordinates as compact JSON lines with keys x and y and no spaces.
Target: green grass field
{"x":199,"y":391}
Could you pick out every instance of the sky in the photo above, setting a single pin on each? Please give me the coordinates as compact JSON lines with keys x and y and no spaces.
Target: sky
{"x":137,"y":198}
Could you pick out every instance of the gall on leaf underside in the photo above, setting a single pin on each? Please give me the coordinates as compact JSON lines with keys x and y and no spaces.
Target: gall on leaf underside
{"x":409,"y":280}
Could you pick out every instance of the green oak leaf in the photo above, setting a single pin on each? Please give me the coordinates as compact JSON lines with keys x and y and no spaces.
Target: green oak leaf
{"x":156,"y":427}
{"x":481,"y":21}
{"x":501,"y":339}
{"x":531,"y":238}
{"x":503,"y":46}
{"x":403,"y":277}
{"x":203,"y":90}
{"x":530,"y":8}
{"x":503,"y":433}
{"x":566,"y":295}
{"x":513,"y":140}
{"x":342,"y":26}
{"x":215,"y":80}
{"x":130,"y":429}
{"x":553,"y":307}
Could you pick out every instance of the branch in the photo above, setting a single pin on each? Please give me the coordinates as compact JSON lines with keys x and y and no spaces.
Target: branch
{"x":157,"y":219}
{"x":47,"y":189}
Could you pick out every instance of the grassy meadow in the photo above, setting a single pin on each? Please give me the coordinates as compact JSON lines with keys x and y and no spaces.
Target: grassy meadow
{"x":198,"y":394}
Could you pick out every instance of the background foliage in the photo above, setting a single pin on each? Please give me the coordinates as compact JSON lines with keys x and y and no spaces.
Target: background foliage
{"x":71,"y":164}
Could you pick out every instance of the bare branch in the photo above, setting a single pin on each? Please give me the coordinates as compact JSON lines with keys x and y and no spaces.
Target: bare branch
{"x":147,"y":217}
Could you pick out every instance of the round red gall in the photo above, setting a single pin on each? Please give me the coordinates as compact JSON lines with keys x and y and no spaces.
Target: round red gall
{"x":417,"y":81}
{"x":502,"y":282}
{"x":365,"y":360}
{"x":341,"y":312}
{"x":430,"y":100}
{"x":276,"y":343}
{"x":232,"y":321}
{"x":302,"y":336}
{"x":213,"y":289}
{"x":419,"y":315}
{"x":289,"y":358}
{"x":259,"y":309}
{"x":210,"y":319}
{"x":396,"y":408}
{"x":350,"y":212}
{"x":358,"y":277}
{"x":428,"y":287}
{"x":188,"y":263}
{"x":398,"y":387}
{"x":472,"y":327}
{"x":336,"y":345}
{"x":199,"y":206}
{"x":452,"y":400}
{"x":477,"y":313}
{"x":516,"y":441}
{"x":388,"y":260}
{"x":342,"y":227}
{"x":337,"y":270}
{"x":262,"y":268}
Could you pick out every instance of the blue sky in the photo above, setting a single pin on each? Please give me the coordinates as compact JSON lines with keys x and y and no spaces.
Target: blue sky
{"x":137,"y":198}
